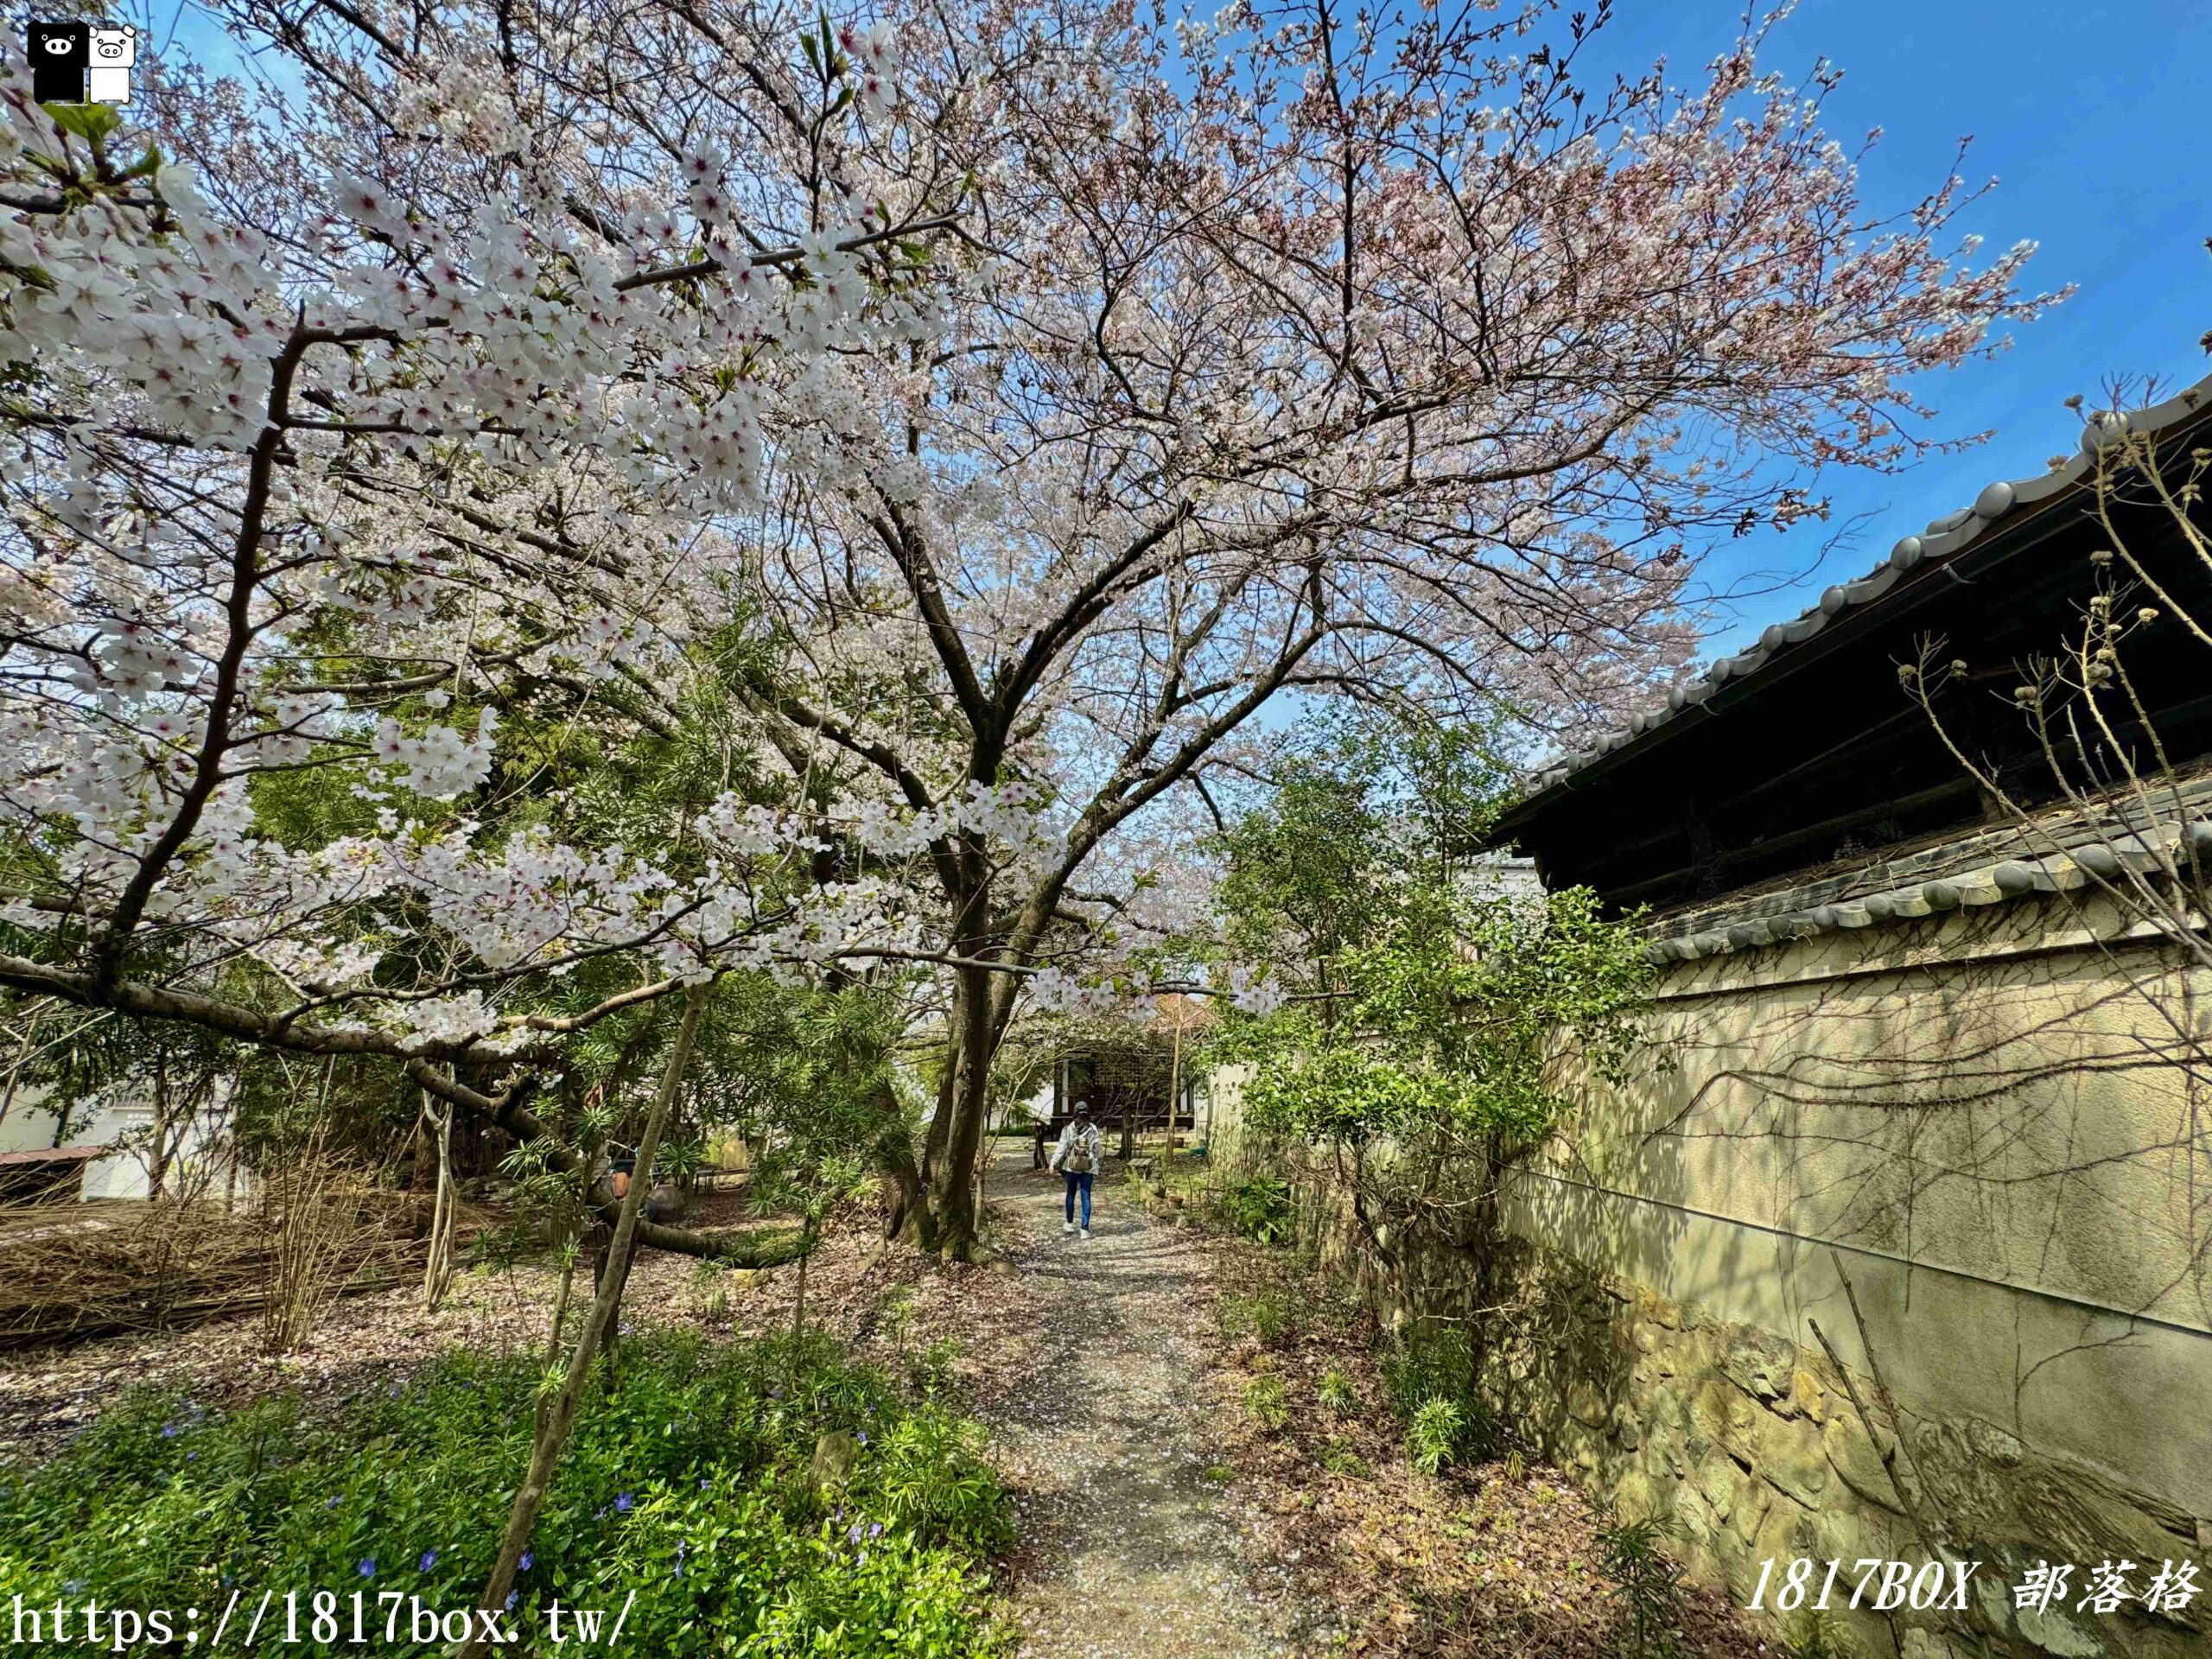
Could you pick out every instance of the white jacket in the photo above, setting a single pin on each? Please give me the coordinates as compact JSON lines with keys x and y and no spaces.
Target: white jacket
{"x":1089,"y":1133}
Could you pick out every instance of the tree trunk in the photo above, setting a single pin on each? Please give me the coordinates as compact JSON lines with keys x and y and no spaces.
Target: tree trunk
{"x":1175,"y":1083}
{"x":437,"y":1266}
{"x":948,"y":1095}
{"x":553,"y":1430}
{"x":952,"y":1190}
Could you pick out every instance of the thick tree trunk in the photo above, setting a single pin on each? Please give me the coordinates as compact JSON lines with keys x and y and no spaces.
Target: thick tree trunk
{"x":937,"y":1206}
{"x":948,"y":1090}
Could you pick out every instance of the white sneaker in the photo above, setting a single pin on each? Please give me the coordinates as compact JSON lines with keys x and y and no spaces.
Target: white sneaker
{"x":1086,"y":1232}
{"x":1071,"y":1228}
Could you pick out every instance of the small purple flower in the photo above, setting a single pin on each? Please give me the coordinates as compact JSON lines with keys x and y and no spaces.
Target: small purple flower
{"x":528,"y":1556}
{"x":863,"y":1561}
{"x":430,"y":1560}
{"x":367,"y":1567}
{"x":332,"y":1503}
{"x":863,"y":1437}
{"x":854,"y":1536}
{"x":623,"y":1329}
{"x":169,"y":1430}
{"x":191,"y":1457}
{"x":704,"y":1483}
{"x":622,"y":1502}
{"x":875,"y":1529}
{"x":600,"y":1514}
{"x":513,"y":1596}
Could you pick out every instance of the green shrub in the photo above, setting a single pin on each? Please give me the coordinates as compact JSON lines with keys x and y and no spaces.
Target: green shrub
{"x":1817,"y":1634}
{"x":1647,"y":1584}
{"x":931,"y":1371}
{"x":1430,"y":1373}
{"x":1434,"y":1438}
{"x":1264,"y":1398}
{"x":1338,"y":1458}
{"x":1265,"y":1315}
{"x":1428,"y":1362}
{"x":687,"y":1484}
{"x":1337,"y":1392}
{"x":1259,"y":1207}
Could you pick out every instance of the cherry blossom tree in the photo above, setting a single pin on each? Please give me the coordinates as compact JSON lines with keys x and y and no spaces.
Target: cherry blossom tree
{"x":419,"y":400}
{"x":973,"y":419}
{"x":1318,"y":356}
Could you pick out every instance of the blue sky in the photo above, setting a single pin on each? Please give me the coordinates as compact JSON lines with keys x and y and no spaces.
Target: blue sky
{"x":2089,"y":116}
{"x":2092,"y":118}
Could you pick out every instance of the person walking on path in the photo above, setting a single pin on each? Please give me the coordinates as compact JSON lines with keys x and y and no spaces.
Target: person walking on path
{"x":1077,"y":1159}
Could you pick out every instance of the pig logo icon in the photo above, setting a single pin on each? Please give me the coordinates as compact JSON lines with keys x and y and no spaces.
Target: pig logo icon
{"x":60,"y":55}
{"x":114,"y":51}
{"x":81,"y":63}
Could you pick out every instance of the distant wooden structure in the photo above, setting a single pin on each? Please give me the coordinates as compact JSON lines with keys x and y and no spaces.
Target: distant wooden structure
{"x":46,"y":1174}
{"x":1127,"y":1082}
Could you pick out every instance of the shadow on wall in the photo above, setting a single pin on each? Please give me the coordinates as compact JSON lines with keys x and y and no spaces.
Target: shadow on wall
{"x":1667,"y":1353}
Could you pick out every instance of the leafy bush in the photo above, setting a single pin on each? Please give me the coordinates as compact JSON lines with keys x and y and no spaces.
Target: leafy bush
{"x":687,"y":1484}
{"x":1647,"y":1583}
{"x":1430,"y":1372}
{"x":1817,"y":1634}
{"x":1259,"y":1207}
{"x":1264,"y":1398}
{"x":1265,"y":1314}
{"x":1338,"y":1458}
{"x":1337,"y":1392}
{"x":1428,"y":1362}
{"x":931,"y":1371}
{"x":1435,"y":1437}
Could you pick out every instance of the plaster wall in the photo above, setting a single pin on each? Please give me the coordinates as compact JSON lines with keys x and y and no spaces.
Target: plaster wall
{"x":1976,"y":1122}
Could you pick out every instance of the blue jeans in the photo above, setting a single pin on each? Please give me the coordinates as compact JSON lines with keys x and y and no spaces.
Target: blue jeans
{"x":1078,"y":1182}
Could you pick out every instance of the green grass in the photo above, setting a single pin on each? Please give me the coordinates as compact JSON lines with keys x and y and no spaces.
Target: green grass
{"x":1338,"y":1458}
{"x":1265,"y":1314}
{"x":686,"y":1484}
{"x":1264,"y":1398}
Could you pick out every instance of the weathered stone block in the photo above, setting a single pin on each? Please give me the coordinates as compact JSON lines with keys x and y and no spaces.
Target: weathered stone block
{"x":1807,"y":1395}
{"x":1749,"y":1501}
{"x":1585,"y":1406}
{"x":1722,"y":1417}
{"x":834,"y":1454}
{"x":1763,"y":1367}
{"x":1716,"y":1484}
{"x":1857,"y":1462}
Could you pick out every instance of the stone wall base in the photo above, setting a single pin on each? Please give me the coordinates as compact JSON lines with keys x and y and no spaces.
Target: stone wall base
{"x":1753,"y":1448}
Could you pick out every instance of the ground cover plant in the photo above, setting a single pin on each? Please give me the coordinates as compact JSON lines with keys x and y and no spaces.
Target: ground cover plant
{"x":1396,"y":1503}
{"x":691,"y":1483}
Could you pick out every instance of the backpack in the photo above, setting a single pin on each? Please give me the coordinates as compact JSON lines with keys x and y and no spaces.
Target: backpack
{"x":1083,"y":1155}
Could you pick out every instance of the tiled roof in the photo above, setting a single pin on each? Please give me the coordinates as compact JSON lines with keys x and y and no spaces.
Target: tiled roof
{"x":1944,"y":537}
{"x":1988,"y":866}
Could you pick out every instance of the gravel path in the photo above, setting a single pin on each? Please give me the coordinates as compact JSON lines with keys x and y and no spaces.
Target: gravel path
{"x":1128,"y":1549}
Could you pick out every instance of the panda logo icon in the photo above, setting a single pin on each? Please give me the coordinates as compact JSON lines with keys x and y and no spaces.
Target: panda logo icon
{"x":113,"y":52}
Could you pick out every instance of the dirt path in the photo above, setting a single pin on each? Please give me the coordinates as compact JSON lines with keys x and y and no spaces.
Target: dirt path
{"x":1128,"y":1549}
